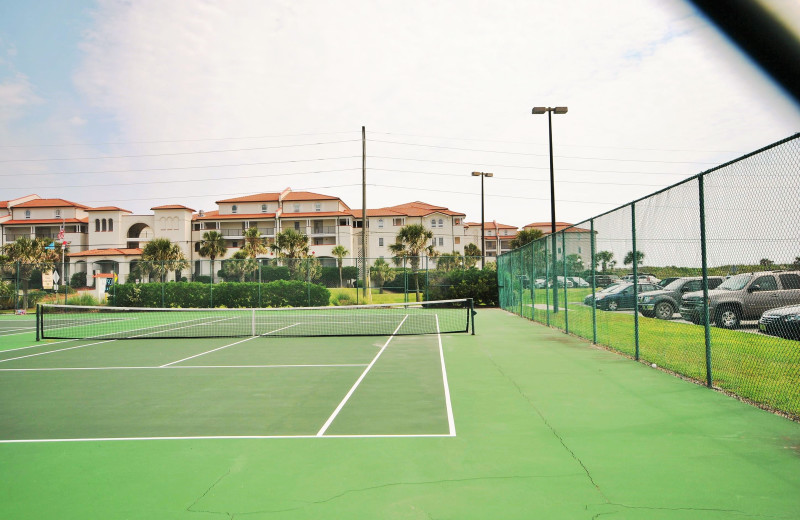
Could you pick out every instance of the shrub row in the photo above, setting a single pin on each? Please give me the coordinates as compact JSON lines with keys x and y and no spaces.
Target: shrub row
{"x":280,"y":293}
{"x":480,"y":285}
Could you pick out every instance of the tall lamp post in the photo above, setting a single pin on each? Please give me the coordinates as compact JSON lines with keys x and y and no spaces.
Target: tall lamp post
{"x":550,"y":110}
{"x":482,"y":175}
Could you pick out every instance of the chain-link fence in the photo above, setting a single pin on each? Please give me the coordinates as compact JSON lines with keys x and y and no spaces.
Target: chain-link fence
{"x":250,"y":282}
{"x":701,"y":278}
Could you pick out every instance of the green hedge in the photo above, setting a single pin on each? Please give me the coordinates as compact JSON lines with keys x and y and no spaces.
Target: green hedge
{"x":480,"y":285}
{"x":280,"y":293}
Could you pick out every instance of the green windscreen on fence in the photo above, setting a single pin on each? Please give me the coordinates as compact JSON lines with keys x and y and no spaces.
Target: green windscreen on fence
{"x":701,"y":278}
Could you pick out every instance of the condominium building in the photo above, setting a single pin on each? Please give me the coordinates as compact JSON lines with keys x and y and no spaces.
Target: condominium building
{"x":577,"y":241}
{"x":498,"y":236}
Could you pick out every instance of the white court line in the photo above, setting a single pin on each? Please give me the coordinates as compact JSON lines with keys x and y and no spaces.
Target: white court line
{"x":232,"y":437}
{"x":358,"y":381}
{"x":450,"y":421}
{"x":66,"y":369}
{"x":28,"y":331}
{"x":40,"y":345}
{"x":57,"y":350}
{"x":226,"y":346}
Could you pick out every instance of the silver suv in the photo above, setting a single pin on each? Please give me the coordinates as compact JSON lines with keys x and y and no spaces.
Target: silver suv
{"x":663,"y":303}
{"x":743,"y":297}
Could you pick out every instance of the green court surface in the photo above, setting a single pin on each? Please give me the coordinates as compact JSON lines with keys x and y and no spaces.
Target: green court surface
{"x":518,"y":421}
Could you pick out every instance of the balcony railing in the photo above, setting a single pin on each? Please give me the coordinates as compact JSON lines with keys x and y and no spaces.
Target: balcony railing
{"x":323,"y":230}
{"x":240,"y":232}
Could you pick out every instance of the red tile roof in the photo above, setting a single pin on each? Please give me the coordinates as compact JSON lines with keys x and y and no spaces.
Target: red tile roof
{"x":50,"y":203}
{"x":172,"y":206}
{"x":307,"y":195}
{"x":259,"y":197}
{"x":214,"y":215}
{"x":107,"y":252}
{"x":108,"y":208}
{"x":545,"y":227}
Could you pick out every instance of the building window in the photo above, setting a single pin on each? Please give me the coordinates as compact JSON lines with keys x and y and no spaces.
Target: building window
{"x":433,"y":222}
{"x":96,"y":225}
{"x":441,"y":223}
{"x":297,"y":226}
{"x":458,"y":240}
{"x":234,"y":208}
{"x":27,"y":213}
{"x":197,"y":246}
{"x":111,"y":224}
{"x":104,"y":225}
{"x":58,"y":213}
{"x":398,"y":221}
{"x":380,"y":242}
{"x":441,"y":241}
{"x":380,"y":222}
{"x":579,"y":250}
{"x":263,"y":208}
{"x":235,"y":244}
{"x":456,"y":221}
{"x":317,"y":206}
{"x":297,"y":208}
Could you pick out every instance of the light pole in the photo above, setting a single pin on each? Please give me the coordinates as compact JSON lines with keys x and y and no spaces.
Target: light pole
{"x":550,"y":110}
{"x":483,"y":220}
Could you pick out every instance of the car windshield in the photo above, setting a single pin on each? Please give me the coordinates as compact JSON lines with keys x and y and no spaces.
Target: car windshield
{"x":675,"y":285}
{"x":735,"y":283}
{"x":618,"y":288}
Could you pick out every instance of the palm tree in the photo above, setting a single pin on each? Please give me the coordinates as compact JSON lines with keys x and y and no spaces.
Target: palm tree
{"x":30,"y":255}
{"x":254,"y":243}
{"x":160,"y":256}
{"x":413,"y":241}
{"x":604,"y":257}
{"x":629,"y":258}
{"x":292,"y":245}
{"x":340,"y":252}
{"x":526,"y":236}
{"x":212,"y":246}
{"x":765,"y":262}
{"x":471,"y":254}
{"x":239,"y":265}
{"x":380,"y":272}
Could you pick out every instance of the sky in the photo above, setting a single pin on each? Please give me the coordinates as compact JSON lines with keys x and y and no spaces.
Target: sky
{"x":140,"y":104}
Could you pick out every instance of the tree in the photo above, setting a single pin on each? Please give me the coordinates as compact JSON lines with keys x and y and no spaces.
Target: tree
{"x":340,"y":252}
{"x":413,"y":241}
{"x":796,"y":263}
{"x":380,"y":272}
{"x":160,"y":256}
{"x":28,"y":256}
{"x":448,"y":262}
{"x":604,"y":258}
{"x":212,"y":246}
{"x":526,"y":236}
{"x":472,"y":254}
{"x":766,"y":262}
{"x":574,"y":265}
{"x":308,"y":269}
{"x":292,"y":246}
{"x":239,"y":265}
{"x":254,"y":243}
{"x":629,"y":258}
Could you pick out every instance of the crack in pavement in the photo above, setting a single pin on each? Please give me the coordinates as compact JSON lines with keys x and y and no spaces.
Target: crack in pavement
{"x":191,"y":509}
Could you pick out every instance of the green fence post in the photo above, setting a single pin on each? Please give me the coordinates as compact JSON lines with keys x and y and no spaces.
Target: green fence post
{"x":546,"y":281}
{"x":533,"y":280}
{"x":704,"y":260}
{"x":259,"y":282}
{"x":211,"y":289}
{"x":594,"y":284}
{"x":564,"y":261}
{"x":635,"y":282}
{"x":16,"y":287}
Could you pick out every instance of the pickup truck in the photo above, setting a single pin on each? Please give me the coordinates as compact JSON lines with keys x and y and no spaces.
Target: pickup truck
{"x":743,"y":297}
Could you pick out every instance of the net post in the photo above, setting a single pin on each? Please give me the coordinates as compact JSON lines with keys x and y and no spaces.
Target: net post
{"x":253,"y":321}
{"x":564,"y":260}
{"x":38,"y":321}
{"x":472,"y":314}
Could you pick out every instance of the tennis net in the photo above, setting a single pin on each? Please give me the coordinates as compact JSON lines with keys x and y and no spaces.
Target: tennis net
{"x":100,"y":322}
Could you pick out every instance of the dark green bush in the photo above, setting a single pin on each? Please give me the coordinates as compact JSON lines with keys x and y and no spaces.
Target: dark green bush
{"x":280,"y":293}
{"x":78,"y":279}
{"x":480,"y":285}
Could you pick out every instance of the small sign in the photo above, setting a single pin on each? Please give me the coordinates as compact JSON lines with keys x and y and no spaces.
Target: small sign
{"x":56,"y":277}
{"x":47,"y":280}
{"x":55,"y":287}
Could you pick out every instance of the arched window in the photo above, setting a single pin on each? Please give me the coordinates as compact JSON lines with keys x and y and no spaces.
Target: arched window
{"x":380,"y":222}
{"x":235,"y":208}
{"x":111,"y":224}
{"x":97,"y":224}
{"x":263,"y":208}
{"x":27,"y":213}
{"x":433,"y":222}
{"x":441,"y":223}
{"x":104,"y":224}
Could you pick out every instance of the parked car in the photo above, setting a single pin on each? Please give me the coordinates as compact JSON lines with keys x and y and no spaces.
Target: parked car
{"x":560,"y":279}
{"x":577,"y":281}
{"x":540,"y":283}
{"x":605,"y":280}
{"x":665,"y":301}
{"x":783,"y":322}
{"x":744,"y":297}
{"x":666,"y":281}
{"x":643,"y":278}
{"x":618,"y":297}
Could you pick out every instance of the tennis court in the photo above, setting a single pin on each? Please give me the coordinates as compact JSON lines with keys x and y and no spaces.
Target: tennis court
{"x":518,"y":421}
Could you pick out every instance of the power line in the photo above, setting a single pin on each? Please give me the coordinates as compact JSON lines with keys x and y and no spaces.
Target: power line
{"x":503,"y":178}
{"x":179,"y":153}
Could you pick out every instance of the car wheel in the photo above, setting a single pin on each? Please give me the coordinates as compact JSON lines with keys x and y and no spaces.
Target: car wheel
{"x":612,"y":305}
{"x":647,"y":314}
{"x":664,"y":311}
{"x":727,"y":318}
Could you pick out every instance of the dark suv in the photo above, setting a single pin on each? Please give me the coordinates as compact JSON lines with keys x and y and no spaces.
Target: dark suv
{"x":665,"y":302}
{"x":618,"y":297}
{"x":744,"y":297}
